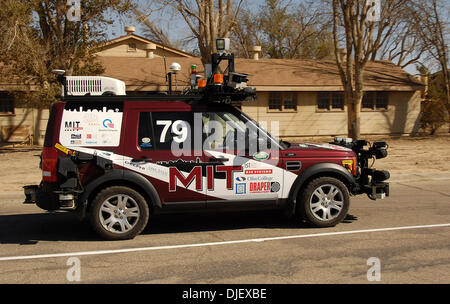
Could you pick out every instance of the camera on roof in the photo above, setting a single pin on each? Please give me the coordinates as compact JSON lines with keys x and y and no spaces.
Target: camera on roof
{"x":223,"y":44}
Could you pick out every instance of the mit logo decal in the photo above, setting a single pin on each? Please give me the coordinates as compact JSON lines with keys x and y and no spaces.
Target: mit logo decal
{"x":196,"y":175}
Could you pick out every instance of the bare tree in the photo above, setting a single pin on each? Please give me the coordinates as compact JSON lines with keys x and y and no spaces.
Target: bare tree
{"x":352,"y":16}
{"x":434,"y":33}
{"x":246,"y":33}
{"x":285,"y":30}
{"x":399,"y":39}
{"x":206,"y":19}
{"x":290,"y":31}
{"x":362,"y":31}
{"x":154,"y":31}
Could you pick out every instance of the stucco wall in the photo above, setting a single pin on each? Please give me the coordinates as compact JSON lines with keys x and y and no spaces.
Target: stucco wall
{"x":22,"y":121}
{"x":400,"y":117}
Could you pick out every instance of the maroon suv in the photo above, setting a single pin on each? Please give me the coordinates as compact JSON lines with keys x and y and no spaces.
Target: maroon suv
{"x":120,"y":159}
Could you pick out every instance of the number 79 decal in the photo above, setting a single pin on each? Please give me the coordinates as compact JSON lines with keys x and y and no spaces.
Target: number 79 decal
{"x":179,"y":128}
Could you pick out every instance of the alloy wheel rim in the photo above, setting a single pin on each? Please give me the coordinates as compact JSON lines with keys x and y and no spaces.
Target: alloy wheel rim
{"x":326,"y":202}
{"x":119,"y":213}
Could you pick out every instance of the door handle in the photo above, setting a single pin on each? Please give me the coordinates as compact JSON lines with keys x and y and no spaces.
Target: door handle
{"x":218,"y":160}
{"x":141,"y":160}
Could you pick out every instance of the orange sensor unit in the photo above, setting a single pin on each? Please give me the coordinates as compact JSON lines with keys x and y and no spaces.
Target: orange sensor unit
{"x":218,"y":78}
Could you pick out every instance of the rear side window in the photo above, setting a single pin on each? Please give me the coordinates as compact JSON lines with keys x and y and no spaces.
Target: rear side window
{"x":165,"y":130}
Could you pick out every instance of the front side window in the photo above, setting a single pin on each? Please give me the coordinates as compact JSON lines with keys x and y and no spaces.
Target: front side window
{"x":227,"y":131}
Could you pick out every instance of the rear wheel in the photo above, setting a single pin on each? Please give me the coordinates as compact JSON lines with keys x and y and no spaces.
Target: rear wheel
{"x":324,"y":202}
{"x":119,"y":213}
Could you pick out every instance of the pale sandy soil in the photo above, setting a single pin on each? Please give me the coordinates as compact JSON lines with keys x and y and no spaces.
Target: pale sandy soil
{"x":415,"y":155}
{"x":19,"y":166}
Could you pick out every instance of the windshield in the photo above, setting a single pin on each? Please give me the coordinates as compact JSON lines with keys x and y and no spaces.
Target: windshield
{"x":225,"y":129}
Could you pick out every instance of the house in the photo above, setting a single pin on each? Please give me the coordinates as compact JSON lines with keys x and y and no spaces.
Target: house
{"x":305,"y":97}
{"x":135,"y":46}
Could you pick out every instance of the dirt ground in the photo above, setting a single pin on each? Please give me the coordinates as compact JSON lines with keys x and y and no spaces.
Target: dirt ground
{"x":19,"y":166}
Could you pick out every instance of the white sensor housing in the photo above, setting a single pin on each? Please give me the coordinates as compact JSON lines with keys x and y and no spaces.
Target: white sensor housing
{"x":94,"y":86}
{"x":175,"y":67}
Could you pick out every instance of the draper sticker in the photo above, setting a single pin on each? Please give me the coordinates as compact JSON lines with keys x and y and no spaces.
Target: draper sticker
{"x":264,"y":187}
{"x":99,"y":128}
{"x":259,"y":187}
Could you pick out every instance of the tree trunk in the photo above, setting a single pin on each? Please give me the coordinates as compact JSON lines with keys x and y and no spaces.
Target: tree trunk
{"x":447,"y":92}
{"x":354,"y":118}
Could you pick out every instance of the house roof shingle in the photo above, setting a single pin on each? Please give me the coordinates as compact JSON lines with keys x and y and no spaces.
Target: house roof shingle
{"x":143,"y":74}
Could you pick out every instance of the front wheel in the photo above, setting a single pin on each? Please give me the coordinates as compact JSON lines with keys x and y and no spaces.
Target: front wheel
{"x":324,"y":202}
{"x":119,"y":213}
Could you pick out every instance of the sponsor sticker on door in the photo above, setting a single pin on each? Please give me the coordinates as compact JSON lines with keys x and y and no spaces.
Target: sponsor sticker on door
{"x":259,"y":171}
{"x":82,"y":127}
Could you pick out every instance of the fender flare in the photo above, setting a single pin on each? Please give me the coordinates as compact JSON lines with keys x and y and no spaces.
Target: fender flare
{"x":323,"y":169}
{"x":123,"y":175}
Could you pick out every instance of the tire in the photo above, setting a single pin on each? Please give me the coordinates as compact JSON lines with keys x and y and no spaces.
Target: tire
{"x":324,"y":202}
{"x":119,"y":213}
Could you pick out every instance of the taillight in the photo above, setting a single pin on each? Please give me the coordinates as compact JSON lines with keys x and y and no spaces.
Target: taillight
{"x":49,"y":164}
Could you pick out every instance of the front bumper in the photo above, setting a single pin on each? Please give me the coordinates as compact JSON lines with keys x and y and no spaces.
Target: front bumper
{"x":379,"y":191}
{"x":373,"y":183}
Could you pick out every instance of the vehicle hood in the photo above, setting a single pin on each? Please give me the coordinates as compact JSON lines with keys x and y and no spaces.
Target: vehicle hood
{"x":316,"y":150}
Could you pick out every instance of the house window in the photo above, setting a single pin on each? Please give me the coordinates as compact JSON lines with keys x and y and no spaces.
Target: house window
{"x":290,"y":101}
{"x":6,"y":103}
{"x":132,"y":47}
{"x":282,"y":101}
{"x":375,"y":101}
{"x":275,"y":101}
{"x":330,"y":101}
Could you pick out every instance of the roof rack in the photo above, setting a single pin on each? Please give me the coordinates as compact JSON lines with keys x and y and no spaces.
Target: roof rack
{"x":123,"y":98}
{"x":220,"y":87}
{"x":209,"y":94}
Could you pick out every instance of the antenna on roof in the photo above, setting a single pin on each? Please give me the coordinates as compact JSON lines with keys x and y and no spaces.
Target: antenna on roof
{"x":174,"y":69}
{"x":62,"y":80}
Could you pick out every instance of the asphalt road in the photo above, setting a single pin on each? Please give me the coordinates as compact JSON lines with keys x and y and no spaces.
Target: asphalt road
{"x":403,"y":235}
